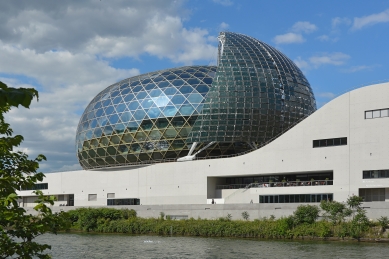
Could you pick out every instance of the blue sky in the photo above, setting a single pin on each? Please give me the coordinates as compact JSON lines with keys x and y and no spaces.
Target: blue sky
{"x":71,"y":50}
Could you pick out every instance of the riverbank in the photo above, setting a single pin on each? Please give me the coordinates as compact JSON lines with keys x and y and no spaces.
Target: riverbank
{"x":107,"y":220}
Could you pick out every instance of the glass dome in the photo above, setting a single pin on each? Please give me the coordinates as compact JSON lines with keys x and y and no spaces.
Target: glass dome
{"x":145,"y":118}
{"x":254,"y":94}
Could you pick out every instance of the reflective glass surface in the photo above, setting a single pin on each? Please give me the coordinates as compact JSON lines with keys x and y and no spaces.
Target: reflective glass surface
{"x":253,"y":94}
{"x":256,"y":94}
{"x":145,"y":118}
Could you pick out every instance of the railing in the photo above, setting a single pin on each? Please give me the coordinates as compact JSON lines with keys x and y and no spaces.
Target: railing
{"x":276,"y":184}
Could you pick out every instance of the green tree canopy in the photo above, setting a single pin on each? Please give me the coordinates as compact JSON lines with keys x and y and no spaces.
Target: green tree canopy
{"x":17,"y":171}
{"x":306,"y":214}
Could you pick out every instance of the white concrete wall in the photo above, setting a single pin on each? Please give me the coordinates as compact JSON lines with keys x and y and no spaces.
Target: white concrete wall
{"x":193,"y":183}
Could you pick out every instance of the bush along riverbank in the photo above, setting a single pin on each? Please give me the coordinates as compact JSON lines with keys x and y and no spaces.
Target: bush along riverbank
{"x":340,"y":220}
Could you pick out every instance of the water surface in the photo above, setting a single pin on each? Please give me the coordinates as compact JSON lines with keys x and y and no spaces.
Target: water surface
{"x":126,"y":246}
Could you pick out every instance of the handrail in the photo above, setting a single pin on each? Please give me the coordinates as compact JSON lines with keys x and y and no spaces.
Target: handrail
{"x":275,"y":184}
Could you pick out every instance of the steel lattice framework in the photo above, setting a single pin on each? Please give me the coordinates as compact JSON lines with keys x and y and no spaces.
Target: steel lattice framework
{"x":257,"y":93}
{"x":252,"y":95}
{"x":146,"y":118}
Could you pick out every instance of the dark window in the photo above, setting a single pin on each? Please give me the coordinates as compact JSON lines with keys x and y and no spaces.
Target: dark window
{"x":38,"y":186}
{"x":372,"y":194}
{"x":329,"y":142}
{"x":375,"y":174}
{"x":376,"y":113}
{"x":120,"y":202}
{"x":323,"y":143}
{"x":281,"y":180}
{"x":304,"y":198}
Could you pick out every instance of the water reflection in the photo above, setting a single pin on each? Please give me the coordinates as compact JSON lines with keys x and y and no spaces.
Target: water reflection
{"x":125,"y":246}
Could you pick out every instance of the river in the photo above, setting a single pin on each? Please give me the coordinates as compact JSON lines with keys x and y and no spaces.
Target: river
{"x":126,"y":246}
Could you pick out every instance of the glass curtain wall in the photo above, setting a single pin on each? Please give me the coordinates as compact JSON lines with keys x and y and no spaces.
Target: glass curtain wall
{"x":257,"y":93}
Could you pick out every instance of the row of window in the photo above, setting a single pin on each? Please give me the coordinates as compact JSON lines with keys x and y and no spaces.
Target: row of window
{"x":111,"y":201}
{"x":295,"y":198}
{"x":376,"y":113}
{"x":119,"y":202}
{"x":37,"y":186}
{"x":279,"y":178}
{"x":330,"y":142}
{"x":376,"y":174}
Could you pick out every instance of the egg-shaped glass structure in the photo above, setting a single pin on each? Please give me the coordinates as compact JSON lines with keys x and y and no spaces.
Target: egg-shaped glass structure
{"x":145,"y":118}
{"x":253,"y":95}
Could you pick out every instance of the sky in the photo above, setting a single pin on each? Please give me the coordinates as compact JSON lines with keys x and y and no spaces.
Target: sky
{"x":71,"y":50}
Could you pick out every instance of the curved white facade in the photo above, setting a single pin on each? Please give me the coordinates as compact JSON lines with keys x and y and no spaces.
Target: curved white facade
{"x":195,"y":182}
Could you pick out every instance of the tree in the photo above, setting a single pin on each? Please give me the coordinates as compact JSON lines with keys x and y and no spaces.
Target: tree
{"x":335,"y":211}
{"x":306,"y":214}
{"x":17,"y":229}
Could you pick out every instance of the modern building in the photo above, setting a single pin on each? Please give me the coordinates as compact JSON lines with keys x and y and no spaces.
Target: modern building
{"x":244,"y":132}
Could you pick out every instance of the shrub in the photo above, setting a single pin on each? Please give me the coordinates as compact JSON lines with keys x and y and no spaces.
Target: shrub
{"x":383,"y":222}
{"x":306,"y":214}
{"x":245,"y":215}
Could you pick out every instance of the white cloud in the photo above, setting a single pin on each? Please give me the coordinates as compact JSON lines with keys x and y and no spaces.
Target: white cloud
{"x":339,"y":21}
{"x":164,"y":38}
{"x":357,"y":69}
{"x":305,"y":27}
{"x":223,"y":26}
{"x":360,"y":22}
{"x":53,"y":69}
{"x":223,"y":2}
{"x":327,"y":95}
{"x":114,"y":29}
{"x":323,"y":38}
{"x":302,"y":64}
{"x":64,"y":49}
{"x":288,"y":38}
{"x":327,"y":38}
{"x":69,"y":82}
{"x":295,"y":36}
{"x":336,"y":58}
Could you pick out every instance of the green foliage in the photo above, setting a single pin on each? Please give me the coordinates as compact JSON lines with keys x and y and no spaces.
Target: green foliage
{"x":126,"y":213}
{"x":14,"y":97}
{"x":335,"y":211}
{"x":97,"y":219}
{"x":17,"y":229}
{"x":359,"y":224}
{"x":245,"y":215}
{"x":306,"y":214}
{"x":229,"y":216}
{"x":284,"y":227}
{"x":162,"y":215}
{"x":354,"y":202}
{"x":383,"y":222}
